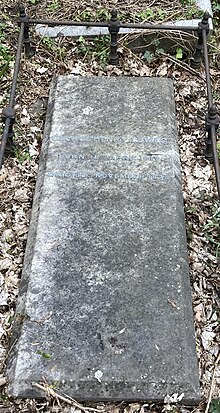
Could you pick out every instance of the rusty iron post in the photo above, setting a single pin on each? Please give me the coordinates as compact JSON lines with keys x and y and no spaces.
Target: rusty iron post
{"x":211,"y":119}
{"x":113,"y":27}
{"x":24,"y":18}
{"x":203,"y":25}
{"x":9,"y":113}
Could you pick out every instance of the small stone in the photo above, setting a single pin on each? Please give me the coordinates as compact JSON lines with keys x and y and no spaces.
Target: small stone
{"x":98,"y":375}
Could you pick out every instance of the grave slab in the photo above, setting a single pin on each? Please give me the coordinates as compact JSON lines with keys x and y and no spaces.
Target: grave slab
{"x":89,"y":32}
{"x":104,"y":310}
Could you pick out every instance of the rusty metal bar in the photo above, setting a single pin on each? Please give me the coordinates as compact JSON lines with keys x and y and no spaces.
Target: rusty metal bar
{"x":202,"y":26}
{"x":4,"y":139}
{"x":68,"y":23}
{"x":8,"y":112}
{"x":212,"y":118}
{"x":207,"y":69}
{"x":24,"y":18}
{"x":17,"y":65}
{"x":215,"y":158}
{"x":143,"y":26}
{"x":152,"y":26}
{"x":113,"y":27}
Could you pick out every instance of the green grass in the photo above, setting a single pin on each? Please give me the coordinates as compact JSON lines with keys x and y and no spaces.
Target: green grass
{"x":21,"y":155}
{"x":94,"y":50}
{"x":216,"y":7}
{"x":188,"y":10}
{"x":214,"y":406}
{"x":5,"y":54}
{"x":54,"y":6}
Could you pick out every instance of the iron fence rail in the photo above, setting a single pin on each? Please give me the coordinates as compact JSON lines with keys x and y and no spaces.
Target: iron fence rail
{"x":4,"y":139}
{"x":114,"y":25}
{"x":207,"y":69}
{"x":143,"y":26}
{"x":8,"y":113}
{"x":212,"y":118}
{"x":212,"y":135}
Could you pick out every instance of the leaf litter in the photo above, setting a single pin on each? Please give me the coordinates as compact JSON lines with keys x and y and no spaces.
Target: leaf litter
{"x":17,"y":181}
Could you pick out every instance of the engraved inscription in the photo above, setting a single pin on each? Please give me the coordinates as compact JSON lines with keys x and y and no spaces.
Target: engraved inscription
{"x":105,"y":139}
{"x":132,"y":162}
{"x":108,"y":158}
{"x":109,"y":175}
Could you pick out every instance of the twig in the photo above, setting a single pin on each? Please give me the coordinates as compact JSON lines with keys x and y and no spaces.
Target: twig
{"x":69,"y":401}
{"x":212,"y":384}
{"x":172,"y":59}
{"x":183,"y":65}
{"x":134,"y":34}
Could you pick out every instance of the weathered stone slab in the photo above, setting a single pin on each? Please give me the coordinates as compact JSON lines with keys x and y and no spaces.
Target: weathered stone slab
{"x":105,"y":305}
{"x":75,"y":31}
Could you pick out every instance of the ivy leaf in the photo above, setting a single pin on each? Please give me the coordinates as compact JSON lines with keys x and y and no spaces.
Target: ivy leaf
{"x":148,"y":56}
{"x":179,"y":53}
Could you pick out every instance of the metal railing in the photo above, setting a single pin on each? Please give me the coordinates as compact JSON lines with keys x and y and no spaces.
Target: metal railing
{"x":114,"y":25}
{"x":8,"y":113}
